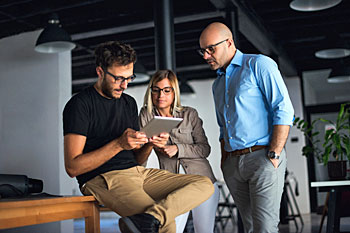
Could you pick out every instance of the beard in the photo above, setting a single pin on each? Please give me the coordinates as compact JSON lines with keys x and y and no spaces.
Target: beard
{"x":212,"y":64}
{"x":108,"y":90}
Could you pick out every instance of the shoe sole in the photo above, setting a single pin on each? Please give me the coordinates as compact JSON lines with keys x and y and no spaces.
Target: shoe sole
{"x":127,"y":226}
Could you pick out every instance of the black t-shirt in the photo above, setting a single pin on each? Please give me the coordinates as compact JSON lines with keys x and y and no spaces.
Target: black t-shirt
{"x":101,"y":120}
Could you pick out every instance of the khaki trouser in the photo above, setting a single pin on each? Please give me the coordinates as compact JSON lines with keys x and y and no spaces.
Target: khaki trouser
{"x":157,"y":192}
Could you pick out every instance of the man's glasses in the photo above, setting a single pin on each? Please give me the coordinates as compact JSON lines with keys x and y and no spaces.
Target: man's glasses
{"x":210,"y":49}
{"x":120,"y":79}
{"x":166,"y":90}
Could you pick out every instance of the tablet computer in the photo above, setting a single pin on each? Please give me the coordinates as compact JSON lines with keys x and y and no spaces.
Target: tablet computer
{"x":159,"y":125}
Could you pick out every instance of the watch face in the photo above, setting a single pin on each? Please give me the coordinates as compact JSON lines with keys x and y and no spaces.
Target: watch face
{"x":272,"y":154}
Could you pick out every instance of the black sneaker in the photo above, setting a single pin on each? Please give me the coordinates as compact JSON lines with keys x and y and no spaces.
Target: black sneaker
{"x":139,"y":223}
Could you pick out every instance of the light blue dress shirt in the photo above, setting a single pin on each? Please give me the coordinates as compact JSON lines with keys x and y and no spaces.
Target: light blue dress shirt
{"x":250,"y":97}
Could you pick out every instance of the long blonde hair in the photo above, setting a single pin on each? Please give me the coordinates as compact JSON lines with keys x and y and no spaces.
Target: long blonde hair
{"x":158,"y":76}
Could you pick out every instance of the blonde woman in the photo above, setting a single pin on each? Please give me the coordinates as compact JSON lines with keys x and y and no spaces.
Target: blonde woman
{"x":187,"y":148}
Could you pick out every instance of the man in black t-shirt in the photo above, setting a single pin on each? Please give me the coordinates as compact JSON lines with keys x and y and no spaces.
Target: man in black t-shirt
{"x":103,"y":149}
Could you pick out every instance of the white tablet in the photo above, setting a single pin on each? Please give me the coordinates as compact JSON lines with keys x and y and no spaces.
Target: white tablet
{"x":159,"y":125}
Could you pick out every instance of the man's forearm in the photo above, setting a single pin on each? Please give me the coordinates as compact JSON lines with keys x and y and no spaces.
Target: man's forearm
{"x":142,"y":154}
{"x":279,"y":138}
{"x":83,"y":163}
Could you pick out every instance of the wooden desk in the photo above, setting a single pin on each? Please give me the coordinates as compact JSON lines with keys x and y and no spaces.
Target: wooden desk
{"x":335,"y":189}
{"x":31,"y":211}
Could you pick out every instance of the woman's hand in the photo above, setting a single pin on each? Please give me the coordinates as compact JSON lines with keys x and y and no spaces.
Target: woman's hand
{"x":169,"y":150}
{"x":159,"y":141}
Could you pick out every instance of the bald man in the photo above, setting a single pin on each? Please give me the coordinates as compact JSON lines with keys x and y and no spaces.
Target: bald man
{"x":254,"y":113}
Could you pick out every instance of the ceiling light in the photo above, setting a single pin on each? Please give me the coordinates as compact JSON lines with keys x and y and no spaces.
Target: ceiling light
{"x":54,"y":39}
{"x":312,"y":5}
{"x":332,"y":53}
{"x":186,"y":89}
{"x":340,"y":74}
{"x":336,"y":47}
{"x":141,"y":73}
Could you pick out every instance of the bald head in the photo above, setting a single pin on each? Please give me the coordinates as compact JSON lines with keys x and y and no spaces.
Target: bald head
{"x":217,"y":37}
{"x":217,"y":30}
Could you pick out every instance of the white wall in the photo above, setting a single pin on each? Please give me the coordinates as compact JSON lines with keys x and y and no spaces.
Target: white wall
{"x":310,"y":97}
{"x":33,"y":90}
{"x":315,"y":83}
{"x":297,"y":164}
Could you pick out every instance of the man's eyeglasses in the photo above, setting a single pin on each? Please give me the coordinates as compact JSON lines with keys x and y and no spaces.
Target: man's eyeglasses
{"x":166,"y":90}
{"x":120,"y":79}
{"x":210,"y":49}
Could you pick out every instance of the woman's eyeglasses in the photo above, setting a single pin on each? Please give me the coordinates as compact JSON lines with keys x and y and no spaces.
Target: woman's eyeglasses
{"x":166,"y":90}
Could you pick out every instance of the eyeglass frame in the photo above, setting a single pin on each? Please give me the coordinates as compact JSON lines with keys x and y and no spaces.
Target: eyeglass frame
{"x":202,"y":51}
{"x":120,"y":79}
{"x":162,"y":89}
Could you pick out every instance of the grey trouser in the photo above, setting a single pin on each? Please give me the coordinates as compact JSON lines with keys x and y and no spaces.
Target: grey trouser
{"x":157,"y":192}
{"x":256,"y":187}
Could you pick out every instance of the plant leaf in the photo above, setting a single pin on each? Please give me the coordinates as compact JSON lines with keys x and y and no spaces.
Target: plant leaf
{"x":328,"y":136}
{"x":346,"y":141}
{"x":300,"y":123}
{"x":340,"y":114}
{"x":296,"y":119}
{"x":326,"y":121}
{"x":326,"y":154}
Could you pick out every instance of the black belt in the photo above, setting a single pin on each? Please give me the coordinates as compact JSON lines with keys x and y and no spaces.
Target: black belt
{"x":246,"y":150}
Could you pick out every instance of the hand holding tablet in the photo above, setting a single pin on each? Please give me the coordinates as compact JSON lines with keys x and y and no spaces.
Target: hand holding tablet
{"x":159,"y":125}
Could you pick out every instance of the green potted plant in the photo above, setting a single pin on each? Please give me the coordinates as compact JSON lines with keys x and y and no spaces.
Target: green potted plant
{"x":311,"y":148}
{"x":336,"y":142}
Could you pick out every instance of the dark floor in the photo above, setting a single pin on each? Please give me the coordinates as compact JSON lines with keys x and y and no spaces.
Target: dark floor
{"x":109,"y":224}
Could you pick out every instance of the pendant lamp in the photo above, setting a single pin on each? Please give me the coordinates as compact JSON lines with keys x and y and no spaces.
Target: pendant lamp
{"x":54,"y":39}
{"x":313,"y":5}
{"x":340,"y":73}
{"x":186,"y":89}
{"x":336,"y":47}
{"x":141,"y":73}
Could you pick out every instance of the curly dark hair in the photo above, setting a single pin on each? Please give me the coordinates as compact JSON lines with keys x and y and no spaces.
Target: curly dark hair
{"x":108,"y":53}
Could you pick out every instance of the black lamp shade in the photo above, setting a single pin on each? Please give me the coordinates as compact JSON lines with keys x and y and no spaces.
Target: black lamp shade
{"x":186,"y":89}
{"x":54,"y":39}
{"x":141,"y":73}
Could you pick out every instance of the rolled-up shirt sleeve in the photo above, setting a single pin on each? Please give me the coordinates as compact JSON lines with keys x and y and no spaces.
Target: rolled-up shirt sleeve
{"x":273,"y":87}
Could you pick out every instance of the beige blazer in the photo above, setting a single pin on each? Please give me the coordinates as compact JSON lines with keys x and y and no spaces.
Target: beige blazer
{"x":193,"y":146}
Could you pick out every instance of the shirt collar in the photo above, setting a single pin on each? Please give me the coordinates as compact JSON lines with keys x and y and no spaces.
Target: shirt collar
{"x":156,"y":112}
{"x":237,"y":60}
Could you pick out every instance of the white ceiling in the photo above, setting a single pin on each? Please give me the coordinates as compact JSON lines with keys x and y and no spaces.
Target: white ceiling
{"x":318,"y":91}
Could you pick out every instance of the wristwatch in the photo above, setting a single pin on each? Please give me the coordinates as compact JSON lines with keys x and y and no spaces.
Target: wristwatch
{"x":273,"y":155}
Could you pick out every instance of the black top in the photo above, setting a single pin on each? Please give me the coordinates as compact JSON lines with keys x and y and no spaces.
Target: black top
{"x":101,"y":120}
